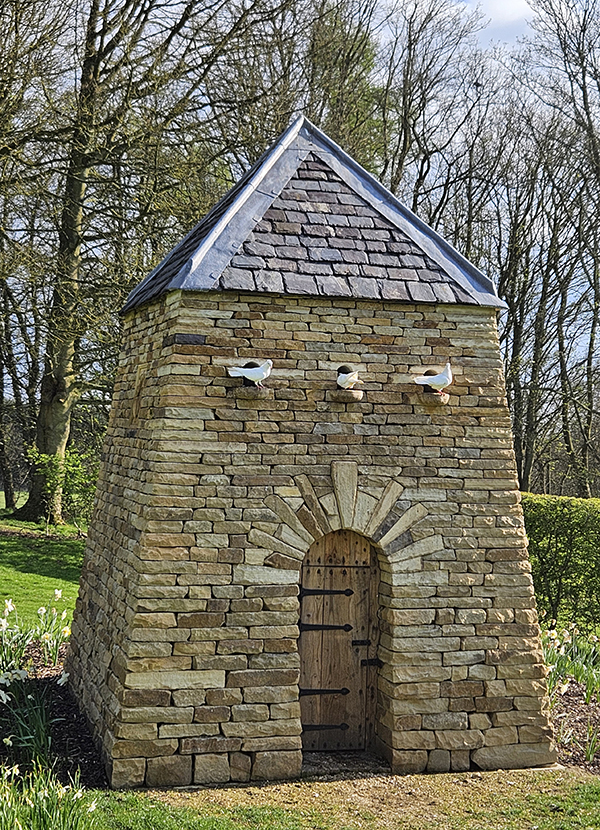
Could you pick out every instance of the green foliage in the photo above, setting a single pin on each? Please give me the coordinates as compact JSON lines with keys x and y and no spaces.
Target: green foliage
{"x":73,"y":477}
{"x":38,"y":801}
{"x":564,"y":548}
{"x":568,"y":654}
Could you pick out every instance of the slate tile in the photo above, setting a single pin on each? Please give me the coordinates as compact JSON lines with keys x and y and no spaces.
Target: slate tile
{"x":401,"y":247}
{"x":275,"y":215}
{"x":375,"y":271}
{"x":360,"y":221}
{"x":355,"y":256}
{"x":304,"y":184}
{"x":412,"y":261}
{"x":342,"y":243}
{"x":337,"y":219}
{"x":237,"y":279}
{"x":346,"y":269}
{"x":388,"y":260}
{"x":461,"y":295}
{"x":421,"y":293}
{"x":299,"y":284}
{"x":277,"y":264}
{"x":443,"y":292}
{"x":364,"y":287}
{"x":381,"y":235}
{"x":333,"y":286}
{"x":243,"y":261}
{"x":287,"y":227}
{"x":259,"y":249}
{"x":316,"y":218}
{"x":325,"y":254}
{"x":291,"y":252}
{"x":322,"y":268}
{"x":317,"y":231}
{"x":332,"y":186}
{"x":350,"y":233}
{"x":396,"y":290}
{"x":350,"y":199}
{"x":402,"y":274}
{"x":372,"y":245}
{"x":269,"y":281}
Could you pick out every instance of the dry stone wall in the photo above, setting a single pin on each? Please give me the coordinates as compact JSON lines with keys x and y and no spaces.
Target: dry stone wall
{"x":184,"y":648}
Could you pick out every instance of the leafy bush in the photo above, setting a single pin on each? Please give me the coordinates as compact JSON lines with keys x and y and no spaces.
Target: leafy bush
{"x":564,"y":548}
{"x":74,"y":477}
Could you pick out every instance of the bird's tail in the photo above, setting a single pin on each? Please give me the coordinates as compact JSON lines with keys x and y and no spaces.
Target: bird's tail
{"x":235,"y":372}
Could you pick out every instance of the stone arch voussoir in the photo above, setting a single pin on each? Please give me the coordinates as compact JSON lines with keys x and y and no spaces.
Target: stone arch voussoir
{"x":346,"y":507}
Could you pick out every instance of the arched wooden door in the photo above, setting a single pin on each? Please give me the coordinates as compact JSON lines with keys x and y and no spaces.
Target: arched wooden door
{"x":338,"y":642}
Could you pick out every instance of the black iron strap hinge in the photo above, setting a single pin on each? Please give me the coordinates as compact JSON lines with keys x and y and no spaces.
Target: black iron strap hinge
{"x":344,"y":691}
{"x":309,"y":627}
{"x":324,"y":592}
{"x":320,"y":727}
{"x":373,"y":661}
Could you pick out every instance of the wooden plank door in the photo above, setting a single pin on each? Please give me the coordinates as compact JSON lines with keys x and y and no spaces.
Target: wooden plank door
{"x":338,"y":642}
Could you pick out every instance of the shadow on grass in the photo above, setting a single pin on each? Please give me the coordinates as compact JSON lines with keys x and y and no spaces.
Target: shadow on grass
{"x":50,"y":557}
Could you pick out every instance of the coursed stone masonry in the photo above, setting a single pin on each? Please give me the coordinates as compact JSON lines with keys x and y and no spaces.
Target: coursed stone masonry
{"x":184,"y":643}
{"x":184,"y":651}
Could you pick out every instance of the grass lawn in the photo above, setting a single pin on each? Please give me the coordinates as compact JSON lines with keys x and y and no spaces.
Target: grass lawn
{"x":34,"y":564}
{"x":556,"y":799}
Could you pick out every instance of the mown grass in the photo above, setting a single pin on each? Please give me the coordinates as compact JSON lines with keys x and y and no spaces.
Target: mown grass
{"x":34,"y":562}
{"x":518,"y":800}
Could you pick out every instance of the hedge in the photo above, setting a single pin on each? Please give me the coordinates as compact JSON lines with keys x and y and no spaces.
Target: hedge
{"x":564,"y":548}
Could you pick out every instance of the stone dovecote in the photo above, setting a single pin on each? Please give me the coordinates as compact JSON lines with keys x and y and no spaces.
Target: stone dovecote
{"x":217,"y":595}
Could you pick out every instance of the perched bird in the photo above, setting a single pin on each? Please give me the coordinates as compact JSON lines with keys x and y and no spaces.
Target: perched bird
{"x":347,"y":379}
{"x":252,"y":372}
{"x":436,"y":382}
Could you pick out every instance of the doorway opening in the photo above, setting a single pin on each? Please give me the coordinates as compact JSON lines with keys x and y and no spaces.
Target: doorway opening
{"x":339,"y":588}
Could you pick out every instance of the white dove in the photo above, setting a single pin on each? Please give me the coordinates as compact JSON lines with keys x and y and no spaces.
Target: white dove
{"x":437,"y":382}
{"x":254,"y":373}
{"x":347,"y":380}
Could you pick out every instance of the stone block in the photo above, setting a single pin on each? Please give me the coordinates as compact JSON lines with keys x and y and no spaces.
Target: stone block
{"x":240,"y":765}
{"x":211,"y":769}
{"x":275,"y":766}
{"x":404,"y":763}
{"x":438,"y":761}
{"x":460,"y":760}
{"x":127,"y":773}
{"x":515,"y":756}
{"x":169,"y":771}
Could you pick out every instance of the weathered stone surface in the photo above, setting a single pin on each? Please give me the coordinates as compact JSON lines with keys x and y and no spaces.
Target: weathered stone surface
{"x":438,"y":761}
{"x":211,"y":769}
{"x":171,"y":771}
{"x":127,"y":773}
{"x":515,"y":756}
{"x":274,"y":766}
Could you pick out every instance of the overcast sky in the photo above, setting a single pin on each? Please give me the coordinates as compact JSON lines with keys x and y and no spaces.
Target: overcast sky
{"x":508,"y":19}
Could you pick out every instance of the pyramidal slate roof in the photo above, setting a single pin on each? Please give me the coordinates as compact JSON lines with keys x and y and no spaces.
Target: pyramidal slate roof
{"x":308,"y":219}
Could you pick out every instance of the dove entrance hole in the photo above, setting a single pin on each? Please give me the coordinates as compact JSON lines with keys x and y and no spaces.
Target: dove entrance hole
{"x":426,"y":387}
{"x":344,"y":370}
{"x":250,"y":365}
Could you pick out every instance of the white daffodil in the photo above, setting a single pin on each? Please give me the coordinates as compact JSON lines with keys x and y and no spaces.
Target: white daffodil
{"x":3,"y":624}
{"x":63,"y":678}
{"x":8,"y":606}
{"x":66,"y":631}
{"x":41,"y":611}
{"x":92,"y":806}
{"x":57,"y":594}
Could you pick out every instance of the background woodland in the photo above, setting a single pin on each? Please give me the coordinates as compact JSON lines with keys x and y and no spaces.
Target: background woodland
{"x":123,"y":121}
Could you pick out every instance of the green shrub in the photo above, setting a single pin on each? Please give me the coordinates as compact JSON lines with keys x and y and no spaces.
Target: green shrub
{"x":564,"y":548}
